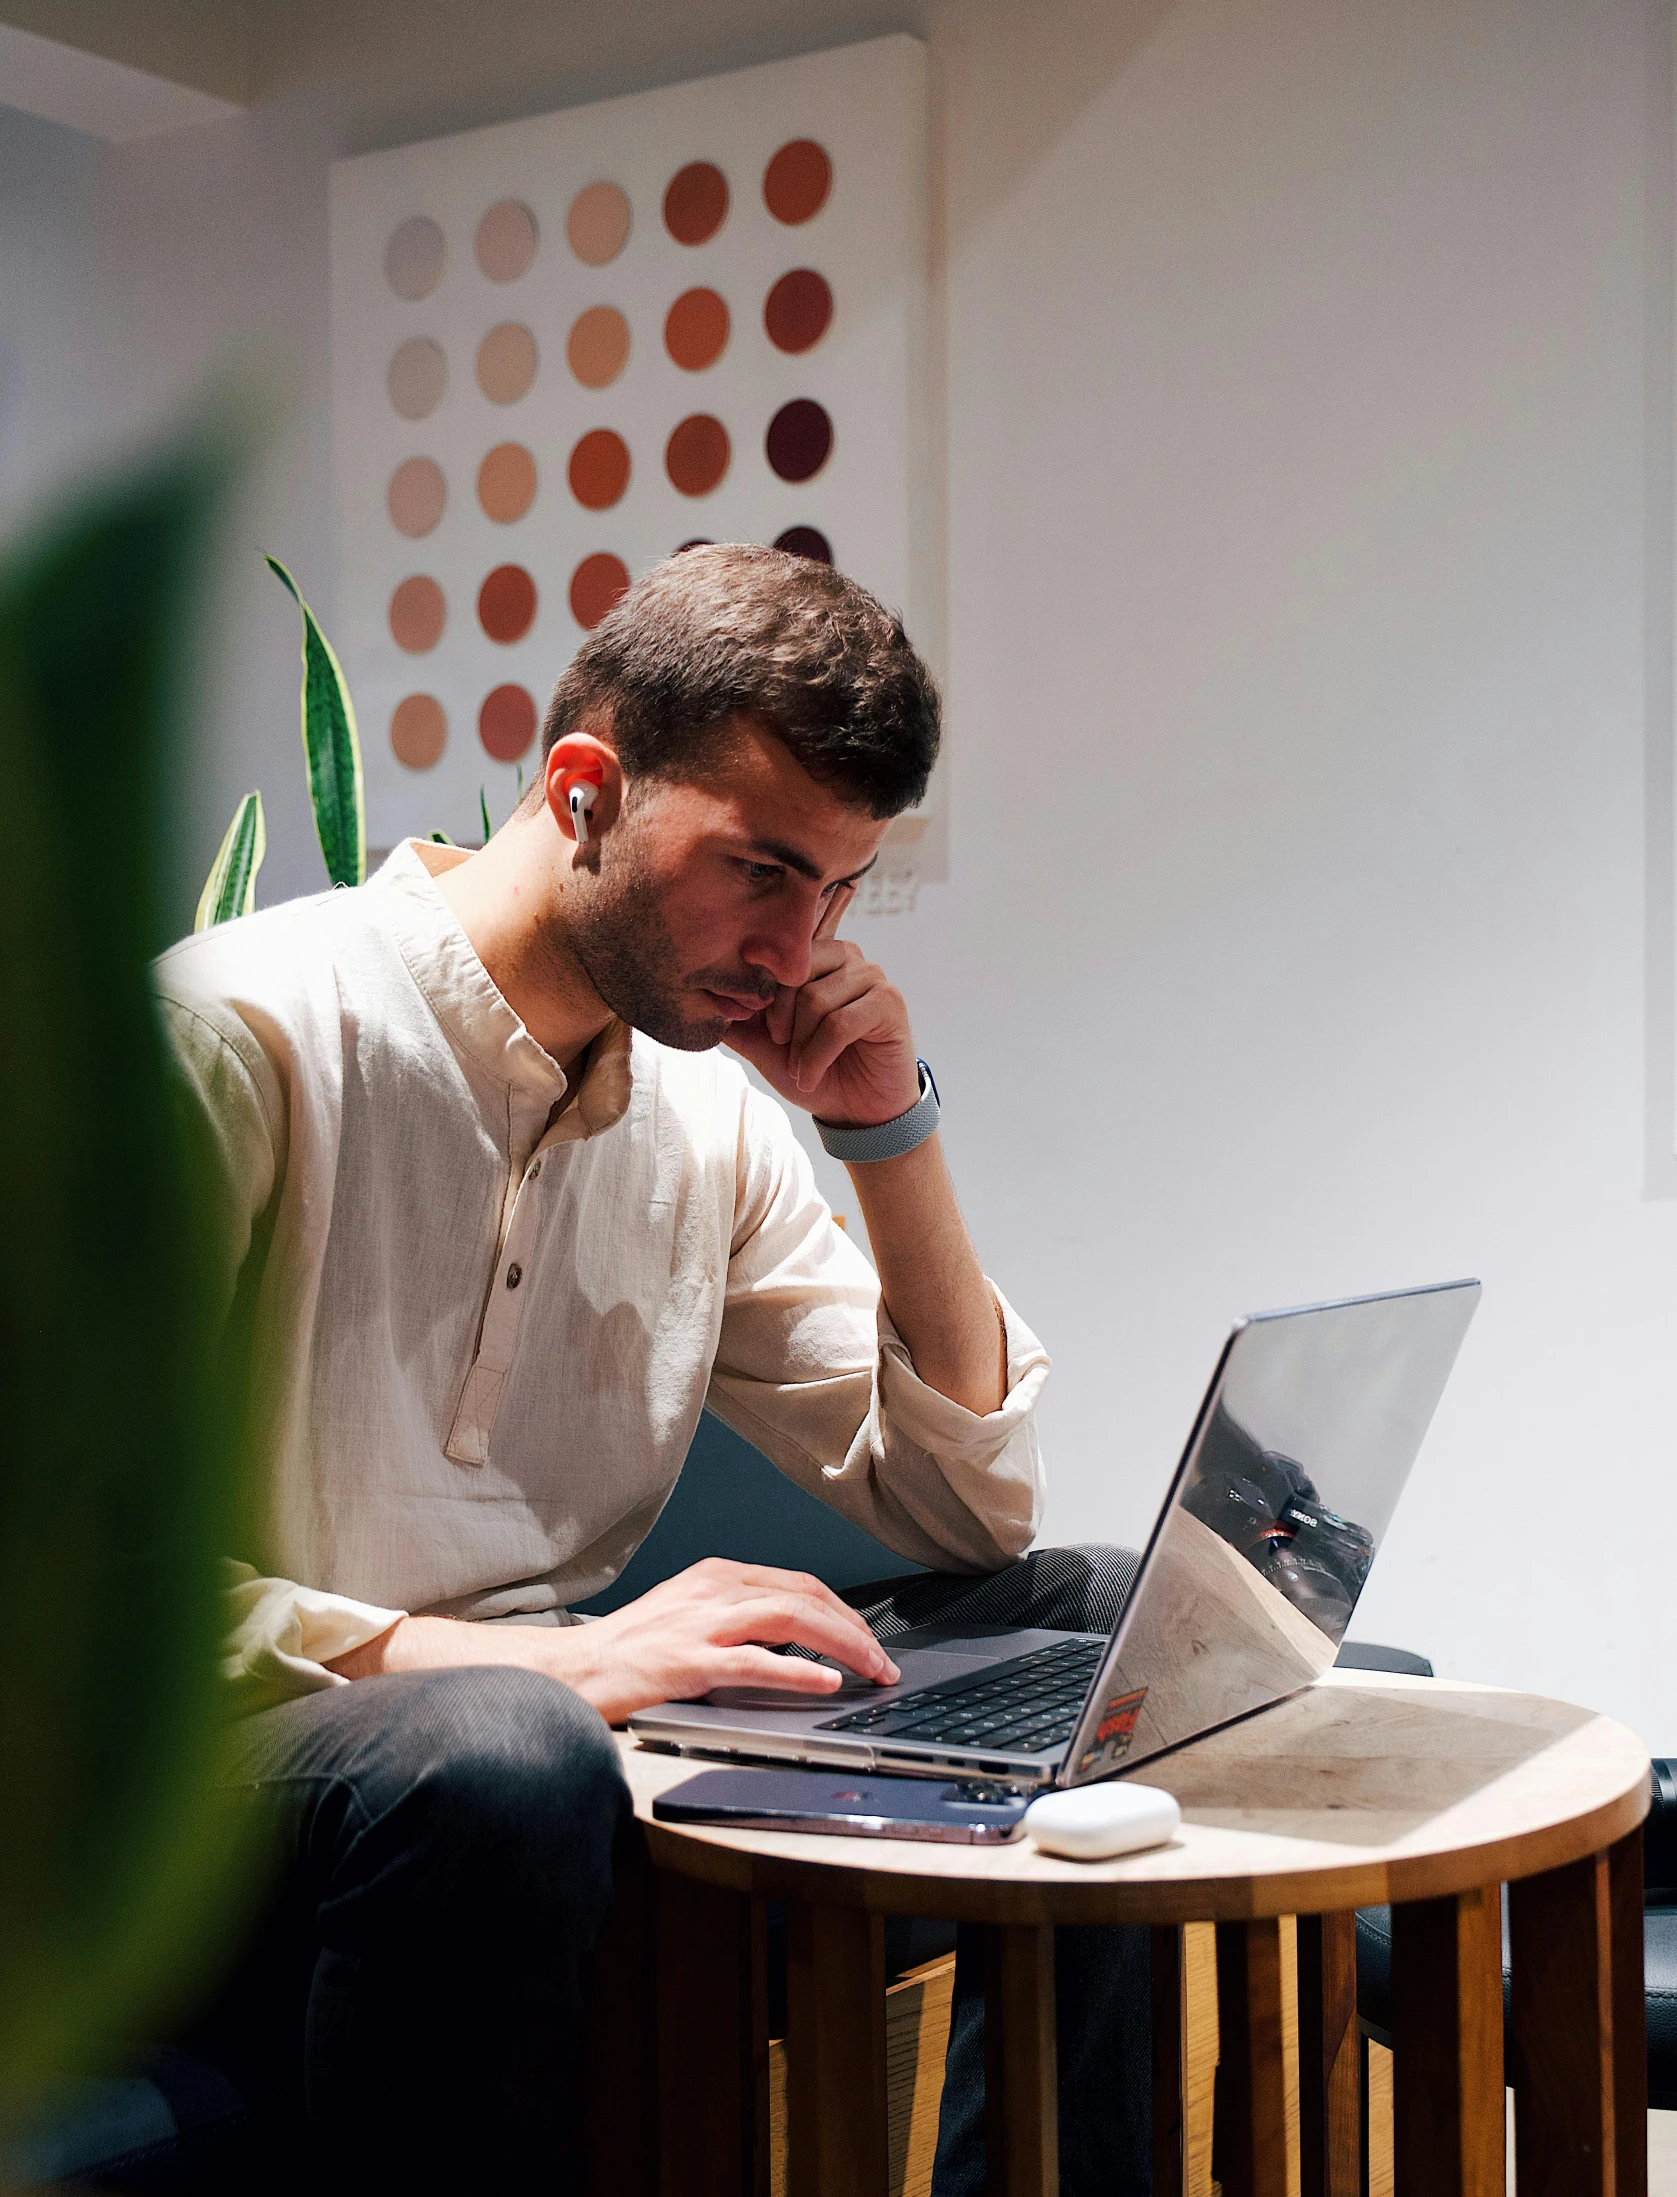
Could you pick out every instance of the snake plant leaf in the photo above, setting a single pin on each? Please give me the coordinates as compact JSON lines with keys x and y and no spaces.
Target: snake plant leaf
{"x":333,"y":748}
{"x":121,"y":1483}
{"x":230,"y":888}
{"x":441,"y":839}
{"x":483,"y":811}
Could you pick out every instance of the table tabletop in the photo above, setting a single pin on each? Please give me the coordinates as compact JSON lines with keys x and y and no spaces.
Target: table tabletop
{"x":1364,"y":1789}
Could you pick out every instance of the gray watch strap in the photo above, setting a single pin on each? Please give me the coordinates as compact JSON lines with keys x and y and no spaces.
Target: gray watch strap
{"x":887,"y":1140}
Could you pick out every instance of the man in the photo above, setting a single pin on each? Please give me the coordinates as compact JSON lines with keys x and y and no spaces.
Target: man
{"x":502,"y":1222}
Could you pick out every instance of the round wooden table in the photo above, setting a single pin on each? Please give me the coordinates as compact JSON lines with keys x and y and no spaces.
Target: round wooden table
{"x":1365,"y":1790}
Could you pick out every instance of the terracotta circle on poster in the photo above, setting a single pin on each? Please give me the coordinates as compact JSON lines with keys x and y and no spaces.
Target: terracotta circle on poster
{"x":599,"y":469}
{"x":598,"y":584}
{"x":506,"y":724}
{"x":597,"y":348}
{"x":696,"y":329}
{"x":506,"y":362}
{"x":506,"y":240}
{"x":416,"y":496}
{"x":414,"y":257}
{"x":800,"y":439}
{"x":417,"y":377}
{"x":506,"y":604}
{"x":696,"y":455}
{"x":796,"y":182}
{"x":506,"y":483}
{"x":696,"y":202}
{"x":597,"y":225}
{"x":798,"y":311}
{"x":418,"y":731}
{"x":418,"y":614}
{"x":806,"y":541}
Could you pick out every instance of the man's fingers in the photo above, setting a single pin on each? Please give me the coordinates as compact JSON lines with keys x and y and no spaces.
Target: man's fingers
{"x":846,"y":1026}
{"x":757,"y":1667}
{"x":834,"y":916}
{"x":801,"y":1621}
{"x":778,"y":1015}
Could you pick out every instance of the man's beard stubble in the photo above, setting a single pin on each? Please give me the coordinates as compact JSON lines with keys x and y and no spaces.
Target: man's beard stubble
{"x":628,"y":953}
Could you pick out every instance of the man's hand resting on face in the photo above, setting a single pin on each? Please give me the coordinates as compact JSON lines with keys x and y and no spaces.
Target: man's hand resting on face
{"x":712,"y":1625}
{"x":839,"y":1045}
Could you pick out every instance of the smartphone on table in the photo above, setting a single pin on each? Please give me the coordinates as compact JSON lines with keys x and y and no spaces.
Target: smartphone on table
{"x":960,"y":1812}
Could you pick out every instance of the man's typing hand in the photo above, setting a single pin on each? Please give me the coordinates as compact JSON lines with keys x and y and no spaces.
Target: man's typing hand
{"x":711,"y":1625}
{"x":714,"y":1625}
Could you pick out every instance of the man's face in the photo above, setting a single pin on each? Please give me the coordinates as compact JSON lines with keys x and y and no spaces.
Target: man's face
{"x":707,"y":896}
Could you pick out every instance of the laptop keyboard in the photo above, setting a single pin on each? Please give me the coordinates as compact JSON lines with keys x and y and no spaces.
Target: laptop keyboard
{"x":1024,"y":1705}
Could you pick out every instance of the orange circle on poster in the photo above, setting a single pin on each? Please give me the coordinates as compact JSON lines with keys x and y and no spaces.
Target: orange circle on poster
{"x":506,"y":724}
{"x":418,"y":731}
{"x":696,"y":329}
{"x":598,"y":584}
{"x":696,"y":455}
{"x":418,"y":614}
{"x":599,"y":469}
{"x":597,"y":348}
{"x":416,"y":496}
{"x":696,"y":203}
{"x":506,"y":483}
{"x":506,"y":604}
{"x":796,"y":181}
{"x":798,"y":310}
{"x":598,"y":223}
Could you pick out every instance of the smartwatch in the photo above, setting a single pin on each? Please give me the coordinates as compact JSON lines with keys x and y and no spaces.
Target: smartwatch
{"x":887,"y":1140}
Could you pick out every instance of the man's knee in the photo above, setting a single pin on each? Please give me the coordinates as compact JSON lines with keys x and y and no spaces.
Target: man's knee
{"x":499,"y":1799}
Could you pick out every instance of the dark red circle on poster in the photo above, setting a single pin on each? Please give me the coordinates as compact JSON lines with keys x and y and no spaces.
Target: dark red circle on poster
{"x":693,"y":541}
{"x":599,"y":469}
{"x":598,"y":584}
{"x":800,"y":439}
{"x":506,"y":603}
{"x":506,"y":724}
{"x":798,"y":311}
{"x":696,"y":203}
{"x":796,"y":181}
{"x":806,"y":541}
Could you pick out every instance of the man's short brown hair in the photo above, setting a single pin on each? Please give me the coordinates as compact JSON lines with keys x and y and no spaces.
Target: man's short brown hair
{"x":730,"y":630}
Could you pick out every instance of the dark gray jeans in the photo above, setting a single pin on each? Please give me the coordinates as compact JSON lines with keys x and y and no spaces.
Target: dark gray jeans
{"x":411,"y":2014}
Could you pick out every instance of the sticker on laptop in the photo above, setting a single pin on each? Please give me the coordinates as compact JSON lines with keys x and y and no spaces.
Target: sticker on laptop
{"x":1115,"y":1730}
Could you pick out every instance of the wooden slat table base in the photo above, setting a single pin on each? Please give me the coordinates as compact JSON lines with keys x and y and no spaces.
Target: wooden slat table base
{"x":1329,"y":2092}
{"x":1021,"y":2065}
{"x":1561,"y":2042}
{"x":1450,"y":2124}
{"x":713,"y":2045}
{"x":1630,"y":2016}
{"x":622,"y":2061}
{"x":1170,"y":2061}
{"x":836,"y":2105}
{"x":1250,"y":2157}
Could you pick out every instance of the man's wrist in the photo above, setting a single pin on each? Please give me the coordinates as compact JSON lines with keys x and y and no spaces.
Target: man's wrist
{"x":886,"y":1140}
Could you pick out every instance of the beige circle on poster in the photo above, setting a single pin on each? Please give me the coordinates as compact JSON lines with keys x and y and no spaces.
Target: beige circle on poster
{"x":416,"y":496}
{"x":417,"y":378}
{"x":506,"y":240}
{"x":597,"y":349}
{"x":413,"y":259}
{"x":506,"y":362}
{"x":506,"y":482}
{"x":418,"y":731}
{"x":598,"y":223}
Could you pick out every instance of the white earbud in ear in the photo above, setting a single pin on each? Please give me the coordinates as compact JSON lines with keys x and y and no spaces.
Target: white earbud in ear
{"x":582,"y":800}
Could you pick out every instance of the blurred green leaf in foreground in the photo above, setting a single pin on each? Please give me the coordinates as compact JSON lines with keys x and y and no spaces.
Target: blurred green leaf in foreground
{"x":120,"y":1439}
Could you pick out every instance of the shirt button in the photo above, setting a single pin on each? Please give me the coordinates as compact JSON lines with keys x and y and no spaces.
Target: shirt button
{"x":515,"y":1274}
{"x":535,"y":1170}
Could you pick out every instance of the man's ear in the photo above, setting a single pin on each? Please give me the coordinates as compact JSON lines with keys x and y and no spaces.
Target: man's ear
{"x":584,"y":786}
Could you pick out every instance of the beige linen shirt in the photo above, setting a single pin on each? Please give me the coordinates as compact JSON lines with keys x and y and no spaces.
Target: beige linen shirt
{"x":486,"y":1322}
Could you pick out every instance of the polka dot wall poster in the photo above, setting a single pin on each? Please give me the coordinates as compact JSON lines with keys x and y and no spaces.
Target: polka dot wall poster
{"x":565,"y":348}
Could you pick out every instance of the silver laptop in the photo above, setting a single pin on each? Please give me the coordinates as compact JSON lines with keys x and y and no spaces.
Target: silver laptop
{"x":1296,"y":1460}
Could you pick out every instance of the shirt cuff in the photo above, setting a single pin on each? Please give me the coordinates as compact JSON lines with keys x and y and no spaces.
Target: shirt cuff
{"x":282,"y":1636}
{"x":935,"y":1422}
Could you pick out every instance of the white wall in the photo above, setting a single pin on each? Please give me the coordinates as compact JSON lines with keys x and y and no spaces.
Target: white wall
{"x":1307,"y":382}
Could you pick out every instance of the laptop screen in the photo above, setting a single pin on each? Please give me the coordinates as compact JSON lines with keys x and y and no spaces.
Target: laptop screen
{"x":1283,"y":1496}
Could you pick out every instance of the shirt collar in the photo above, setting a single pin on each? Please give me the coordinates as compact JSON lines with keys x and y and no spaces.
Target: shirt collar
{"x":471,"y":1007}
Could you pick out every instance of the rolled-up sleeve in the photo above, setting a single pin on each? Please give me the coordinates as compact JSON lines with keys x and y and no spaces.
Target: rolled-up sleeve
{"x":811,"y":1370}
{"x":282,"y":1636}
